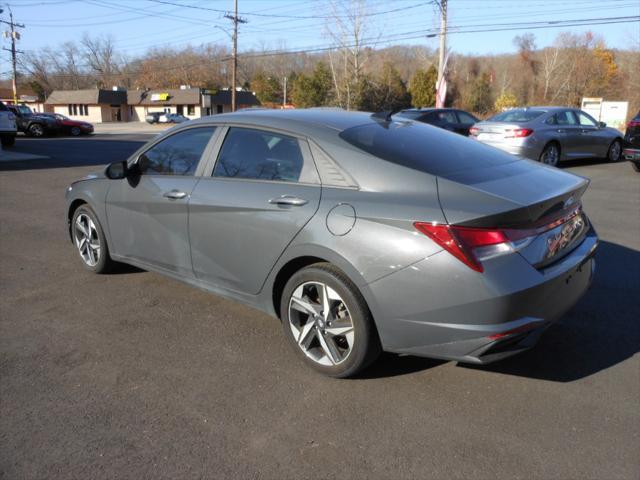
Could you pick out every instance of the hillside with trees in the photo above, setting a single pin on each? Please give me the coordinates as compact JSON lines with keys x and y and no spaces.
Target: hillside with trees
{"x":357,"y":78}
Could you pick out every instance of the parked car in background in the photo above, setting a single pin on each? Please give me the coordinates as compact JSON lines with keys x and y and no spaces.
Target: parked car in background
{"x":360,"y":232}
{"x":69,"y":126}
{"x":172,"y":118}
{"x":153,"y":117}
{"x":631,"y":149}
{"x":33,"y":124}
{"x":549,"y":134}
{"x":8,"y":128}
{"x":450,"y":119}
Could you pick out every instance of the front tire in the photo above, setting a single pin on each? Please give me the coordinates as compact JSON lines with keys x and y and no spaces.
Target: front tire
{"x":327,"y":321}
{"x":36,"y":130}
{"x":90,"y":241}
{"x":615,"y":151}
{"x":75,"y":131}
{"x":550,"y":155}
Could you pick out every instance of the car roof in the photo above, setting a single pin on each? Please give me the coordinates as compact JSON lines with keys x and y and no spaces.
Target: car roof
{"x":301,"y":121}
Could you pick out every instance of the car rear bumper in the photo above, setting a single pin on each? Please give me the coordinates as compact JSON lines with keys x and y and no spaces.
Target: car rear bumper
{"x":632,"y":154}
{"x":477,"y":318}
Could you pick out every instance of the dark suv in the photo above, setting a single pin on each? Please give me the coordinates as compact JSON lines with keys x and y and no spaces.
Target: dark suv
{"x":450,"y":119}
{"x":33,"y":124}
{"x":631,"y":150}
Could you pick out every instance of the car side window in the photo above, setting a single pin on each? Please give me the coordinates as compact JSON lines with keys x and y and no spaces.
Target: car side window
{"x":178,"y":154}
{"x":260,"y":155}
{"x":466,"y":118}
{"x":446,"y":117}
{"x":586,"y":121}
{"x":566,"y":118}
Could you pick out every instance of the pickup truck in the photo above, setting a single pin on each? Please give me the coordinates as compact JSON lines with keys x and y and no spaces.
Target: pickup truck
{"x":33,"y":124}
{"x":7,"y":126}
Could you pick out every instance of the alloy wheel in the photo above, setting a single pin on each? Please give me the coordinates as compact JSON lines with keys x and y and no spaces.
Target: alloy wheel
{"x":36,"y":130}
{"x":75,"y":131}
{"x":615,"y":151}
{"x":321,"y":323}
{"x":550,"y":155}
{"x":87,"y":239}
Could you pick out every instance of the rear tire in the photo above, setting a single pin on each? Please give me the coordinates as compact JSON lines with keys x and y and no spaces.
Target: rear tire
{"x":615,"y":151}
{"x":7,"y":140}
{"x":90,"y":241}
{"x":336,"y":337}
{"x":550,"y":155}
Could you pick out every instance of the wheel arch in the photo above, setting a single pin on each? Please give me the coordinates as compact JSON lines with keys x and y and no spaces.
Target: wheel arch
{"x":301,"y":257}
{"x":73,"y":206}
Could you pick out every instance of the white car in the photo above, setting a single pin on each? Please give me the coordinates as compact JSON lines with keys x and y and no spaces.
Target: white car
{"x":172,"y":118}
{"x":8,"y":128}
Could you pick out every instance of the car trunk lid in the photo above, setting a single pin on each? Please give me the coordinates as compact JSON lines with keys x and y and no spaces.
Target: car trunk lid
{"x":538,"y":207}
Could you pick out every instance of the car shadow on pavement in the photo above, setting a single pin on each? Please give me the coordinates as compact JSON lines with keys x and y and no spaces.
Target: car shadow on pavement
{"x":69,"y":152}
{"x":601,"y":331}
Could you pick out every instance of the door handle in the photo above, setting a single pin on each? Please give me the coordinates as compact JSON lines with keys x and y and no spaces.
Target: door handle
{"x":561,"y":130}
{"x":289,"y":200}
{"x":586,"y":130}
{"x":175,"y":195}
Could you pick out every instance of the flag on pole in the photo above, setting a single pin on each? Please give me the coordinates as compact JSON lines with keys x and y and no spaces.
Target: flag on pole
{"x":441,"y":86}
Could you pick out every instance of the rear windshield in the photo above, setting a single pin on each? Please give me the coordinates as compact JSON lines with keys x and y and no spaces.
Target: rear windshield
{"x":423,"y":147}
{"x":519,"y":115}
{"x":409,"y":114}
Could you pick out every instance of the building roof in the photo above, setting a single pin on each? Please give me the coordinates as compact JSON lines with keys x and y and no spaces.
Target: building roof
{"x":92,"y":97}
{"x":22,"y":92}
{"x":187,"y":96}
{"x":223,"y":97}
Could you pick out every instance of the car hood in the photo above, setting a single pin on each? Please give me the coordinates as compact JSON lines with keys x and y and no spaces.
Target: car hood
{"x":512,"y":194}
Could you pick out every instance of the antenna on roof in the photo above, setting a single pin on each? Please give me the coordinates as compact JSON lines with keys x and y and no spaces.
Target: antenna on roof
{"x":384,"y":116}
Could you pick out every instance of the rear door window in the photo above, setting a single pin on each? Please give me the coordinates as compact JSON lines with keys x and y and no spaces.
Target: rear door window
{"x":260,"y":155}
{"x":415,"y":145}
{"x":565,"y":119}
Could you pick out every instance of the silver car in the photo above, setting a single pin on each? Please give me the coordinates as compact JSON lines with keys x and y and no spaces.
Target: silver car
{"x":550,"y":134}
{"x":359,"y":232}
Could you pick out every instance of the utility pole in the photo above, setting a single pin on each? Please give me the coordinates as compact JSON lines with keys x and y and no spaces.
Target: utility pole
{"x":14,"y":35}
{"x":443,"y":39}
{"x":284,"y":98}
{"x":234,"y":71}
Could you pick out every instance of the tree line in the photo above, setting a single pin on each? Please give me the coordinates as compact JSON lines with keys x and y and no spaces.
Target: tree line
{"x":357,"y":77}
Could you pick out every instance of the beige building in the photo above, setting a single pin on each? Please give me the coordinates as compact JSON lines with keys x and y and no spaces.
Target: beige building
{"x":94,"y":106}
{"x":119,"y":105}
{"x":183,"y":101}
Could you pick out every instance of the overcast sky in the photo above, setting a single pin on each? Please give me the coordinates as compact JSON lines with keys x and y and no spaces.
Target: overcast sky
{"x":137,"y":25}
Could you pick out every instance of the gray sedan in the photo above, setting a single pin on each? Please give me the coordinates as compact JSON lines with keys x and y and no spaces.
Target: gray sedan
{"x":550,"y":134}
{"x":359,"y":232}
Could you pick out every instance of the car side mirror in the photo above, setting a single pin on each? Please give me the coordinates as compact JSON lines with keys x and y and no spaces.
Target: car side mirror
{"x":117,"y":170}
{"x":602,"y":124}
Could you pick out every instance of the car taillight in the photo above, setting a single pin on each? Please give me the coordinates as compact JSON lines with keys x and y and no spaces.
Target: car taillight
{"x":633,"y":123}
{"x":518,"y":133}
{"x":474,"y":131}
{"x":473,"y":245}
{"x":469,"y":245}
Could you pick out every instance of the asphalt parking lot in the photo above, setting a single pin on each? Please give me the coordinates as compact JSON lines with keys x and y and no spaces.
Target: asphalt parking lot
{"x":134,"y":375}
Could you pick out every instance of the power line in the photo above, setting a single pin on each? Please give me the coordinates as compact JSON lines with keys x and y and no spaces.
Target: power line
{"x":418,"y":34}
